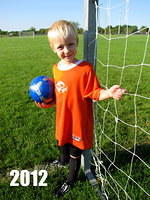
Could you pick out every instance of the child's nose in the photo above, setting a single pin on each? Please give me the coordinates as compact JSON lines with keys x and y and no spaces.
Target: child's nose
{"x":66,"y":49}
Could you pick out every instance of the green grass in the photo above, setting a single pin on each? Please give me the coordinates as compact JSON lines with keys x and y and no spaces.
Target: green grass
{"x":27,"y":132}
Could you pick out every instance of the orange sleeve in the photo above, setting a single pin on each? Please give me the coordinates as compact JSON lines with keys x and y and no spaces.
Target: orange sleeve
{"x":92,"y":86}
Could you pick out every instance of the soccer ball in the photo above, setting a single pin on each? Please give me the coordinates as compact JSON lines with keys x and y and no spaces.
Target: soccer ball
{"x":41,"y":89}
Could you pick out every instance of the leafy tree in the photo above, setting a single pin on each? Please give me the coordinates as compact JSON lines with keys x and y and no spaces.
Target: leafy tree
{"x":32,"y":29}
{"x":42,"y":31}
{"x":80,"y":30}
{"x":101,"y":30}
{"x":144,"y":29}
{"x":76,"y":24}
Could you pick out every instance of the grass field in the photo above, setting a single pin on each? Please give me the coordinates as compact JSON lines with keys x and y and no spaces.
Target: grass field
{"x":27,"y":132}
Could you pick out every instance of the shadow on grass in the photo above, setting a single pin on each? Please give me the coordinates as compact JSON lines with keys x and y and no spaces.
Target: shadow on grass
{"x":123,"y":158}
{"x":127,"y":169}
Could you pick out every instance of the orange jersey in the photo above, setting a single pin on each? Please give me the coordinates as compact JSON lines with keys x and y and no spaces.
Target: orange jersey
{"x":75,"y":89}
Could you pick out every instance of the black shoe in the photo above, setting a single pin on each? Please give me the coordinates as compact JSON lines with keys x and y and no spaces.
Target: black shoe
{"x":56,"y":163}
{"x":63,"y":190}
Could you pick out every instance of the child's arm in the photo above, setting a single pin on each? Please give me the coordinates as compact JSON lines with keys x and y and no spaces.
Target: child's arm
{"x":114,"y":92}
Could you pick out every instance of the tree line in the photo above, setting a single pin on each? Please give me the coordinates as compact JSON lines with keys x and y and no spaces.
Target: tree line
{"x":124,"y":29}
{"x":119,"y":29}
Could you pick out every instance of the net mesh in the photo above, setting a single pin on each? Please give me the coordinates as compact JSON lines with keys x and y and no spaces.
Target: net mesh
{"x":122,"y":128}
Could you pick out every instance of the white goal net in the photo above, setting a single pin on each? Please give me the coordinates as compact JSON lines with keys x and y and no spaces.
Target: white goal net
{"x":27,"y":34}
{"x":122,"y":141}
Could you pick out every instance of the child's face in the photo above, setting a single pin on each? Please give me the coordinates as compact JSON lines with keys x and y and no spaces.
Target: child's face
{"x":66,"y":49}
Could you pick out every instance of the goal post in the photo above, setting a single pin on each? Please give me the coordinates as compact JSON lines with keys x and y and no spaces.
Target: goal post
{"x":89,"y":55}
{"x":90,"y":31}
{"x":27,"y":33}
{"x":90,"y":16}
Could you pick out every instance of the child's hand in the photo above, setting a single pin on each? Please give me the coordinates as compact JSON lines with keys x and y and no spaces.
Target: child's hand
{"x":45,"y":105}
{"x":116,"y":92}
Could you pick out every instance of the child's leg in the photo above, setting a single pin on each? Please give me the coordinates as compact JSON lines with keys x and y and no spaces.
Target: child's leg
{"x":74,"y":164}
{"x":64,"y":154}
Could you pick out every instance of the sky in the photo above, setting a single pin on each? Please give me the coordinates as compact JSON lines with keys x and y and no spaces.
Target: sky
{"x":24,"y":14}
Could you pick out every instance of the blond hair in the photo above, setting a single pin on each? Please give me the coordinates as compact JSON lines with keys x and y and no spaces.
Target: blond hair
{"x":62,"y":28}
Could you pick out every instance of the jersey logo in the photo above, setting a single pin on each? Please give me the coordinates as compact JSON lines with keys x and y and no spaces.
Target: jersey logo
{"x":76,"y":138}
{"x":61,"y":87}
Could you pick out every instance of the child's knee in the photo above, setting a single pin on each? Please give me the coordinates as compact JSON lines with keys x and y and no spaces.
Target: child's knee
{"x":75,"y":157}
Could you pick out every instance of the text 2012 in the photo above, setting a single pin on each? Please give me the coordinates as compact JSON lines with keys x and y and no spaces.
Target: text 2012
{"x":26,"y":178}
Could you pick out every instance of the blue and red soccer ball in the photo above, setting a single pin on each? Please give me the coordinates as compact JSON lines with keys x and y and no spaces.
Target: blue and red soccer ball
{"x":41,"y":89}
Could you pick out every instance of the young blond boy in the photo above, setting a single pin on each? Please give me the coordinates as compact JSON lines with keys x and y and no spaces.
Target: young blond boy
{"x":76,"y":86}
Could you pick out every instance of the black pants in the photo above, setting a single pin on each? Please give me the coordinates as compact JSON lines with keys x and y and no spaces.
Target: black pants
{"x":72,"y":155}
